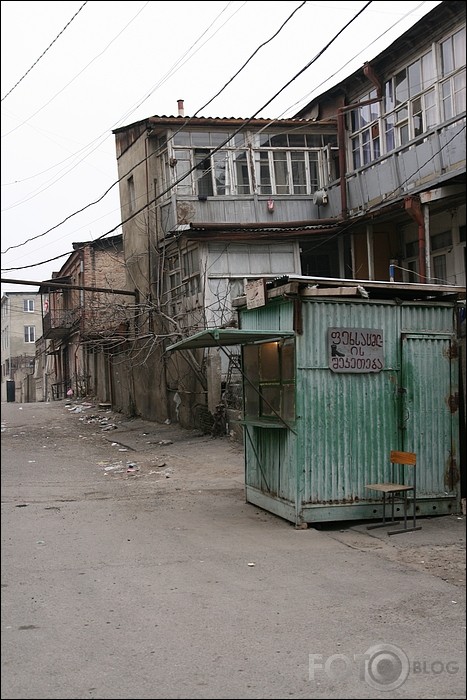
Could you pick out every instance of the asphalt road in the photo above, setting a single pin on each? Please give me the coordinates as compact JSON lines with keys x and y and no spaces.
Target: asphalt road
{"x":135,"y":569}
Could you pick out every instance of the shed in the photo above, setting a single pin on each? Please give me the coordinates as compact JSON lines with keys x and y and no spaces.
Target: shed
{"x":336,"y":374}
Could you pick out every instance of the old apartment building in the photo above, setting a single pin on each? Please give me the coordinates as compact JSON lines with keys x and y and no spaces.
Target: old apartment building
{"x":88,"y":315}
{"x":366,"y":182}
{"x":21,"y":327}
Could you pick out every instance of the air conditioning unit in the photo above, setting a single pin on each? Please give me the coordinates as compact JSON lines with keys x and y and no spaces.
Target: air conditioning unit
{"x":320,"y":198}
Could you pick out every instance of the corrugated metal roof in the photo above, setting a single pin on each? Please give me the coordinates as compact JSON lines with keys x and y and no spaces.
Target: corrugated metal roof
{"x":173,"y":120}
{"x":211,"y":230}
{"x":215,"y":337}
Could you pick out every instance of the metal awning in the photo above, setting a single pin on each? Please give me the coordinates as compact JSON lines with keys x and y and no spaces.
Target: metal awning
{"x":214,"y":337}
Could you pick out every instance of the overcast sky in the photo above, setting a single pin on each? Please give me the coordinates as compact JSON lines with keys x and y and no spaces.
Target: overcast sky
{"x":74,"y":71}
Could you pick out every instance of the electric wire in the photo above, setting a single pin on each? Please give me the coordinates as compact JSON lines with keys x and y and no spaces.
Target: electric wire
{"x":104,"y":135}
{"x":101,"y":197}
{"x":44,"y":52}
{"x":244,"y":123}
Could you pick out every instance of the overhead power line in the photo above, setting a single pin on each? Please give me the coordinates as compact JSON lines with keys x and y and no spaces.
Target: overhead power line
{"x":215,"y":150}
{"x":90,"y":204}
{"x":44,"y":52}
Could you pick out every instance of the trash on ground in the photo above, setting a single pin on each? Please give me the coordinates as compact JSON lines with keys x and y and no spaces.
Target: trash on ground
{"x":114,"y":467}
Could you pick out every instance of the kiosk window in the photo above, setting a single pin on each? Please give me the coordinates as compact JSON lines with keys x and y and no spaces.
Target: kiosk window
{"x":270,"y":381}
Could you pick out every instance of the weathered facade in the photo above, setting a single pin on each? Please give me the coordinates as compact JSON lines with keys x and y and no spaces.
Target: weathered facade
{"x":401,"y":133}
{"x":367,"y":182}
{"x":255,"y":197}
{"x":21,"y":325}
{"x":88,"y":314}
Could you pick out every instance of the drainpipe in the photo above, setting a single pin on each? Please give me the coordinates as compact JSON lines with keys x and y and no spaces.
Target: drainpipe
{"x":371,"y":75}
{"x":148,"y":223}
{"x":413,"y":208}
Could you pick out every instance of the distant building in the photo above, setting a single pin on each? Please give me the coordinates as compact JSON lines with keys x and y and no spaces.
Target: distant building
{"x":86,"y":317}
{"x":21,"y":327}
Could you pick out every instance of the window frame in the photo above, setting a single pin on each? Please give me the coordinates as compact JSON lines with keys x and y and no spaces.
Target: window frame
{"x":261,"y":387}
{"x":254,"y":164}
{"x":416,"y":97}
{"x":29,"y":334}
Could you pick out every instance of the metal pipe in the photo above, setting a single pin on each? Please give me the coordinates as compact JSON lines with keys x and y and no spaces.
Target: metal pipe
{"x":414,"y":209}
{"x":61,"y":285}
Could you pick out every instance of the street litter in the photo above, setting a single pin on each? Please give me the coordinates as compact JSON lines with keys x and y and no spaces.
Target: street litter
{"x":114,"y":467}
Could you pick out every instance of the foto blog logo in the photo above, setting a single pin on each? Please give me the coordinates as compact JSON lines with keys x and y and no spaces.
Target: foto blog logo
{"x":383,"y":667}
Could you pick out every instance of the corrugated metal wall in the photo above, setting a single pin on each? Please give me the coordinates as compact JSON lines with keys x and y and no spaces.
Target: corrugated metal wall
{"x":430,"y":419}
{"x":270,"y":453}
{"x":350,"y":420}
{"x":354,"y":420}
{"x":347,"y":423}
{"x":271,"y":461}
{"x":275,"y":316}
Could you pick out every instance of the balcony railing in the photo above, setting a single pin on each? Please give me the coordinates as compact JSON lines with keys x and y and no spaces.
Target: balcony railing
{"x":60,"y":323}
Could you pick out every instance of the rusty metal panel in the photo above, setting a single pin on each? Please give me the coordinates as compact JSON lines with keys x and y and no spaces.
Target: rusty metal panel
{"x":430,"y":413}
{"x":430,"y":418}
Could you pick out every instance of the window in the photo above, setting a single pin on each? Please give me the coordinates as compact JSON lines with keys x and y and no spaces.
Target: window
{"x":29,"y":334}
{"x":174,"y":286}
{"x":364,"y":123}
{"x":411,"y":254}
{"x":282,"y":167}
{"x":412,"y":266}
{"x":203,"y":172}
{"x":270,"y":381}
{"x":190,"y":268}
{"x":439,"y":269}
{"x":294,"y":163}
{"x":453,"y":53}
{"x":427,"y":92}
{"x":131,"y":194}
{"x":441,"y":240}
{"x":28,"y":305}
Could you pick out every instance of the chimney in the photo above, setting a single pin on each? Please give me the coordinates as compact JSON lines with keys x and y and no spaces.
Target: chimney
{"x":181,"y":111}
